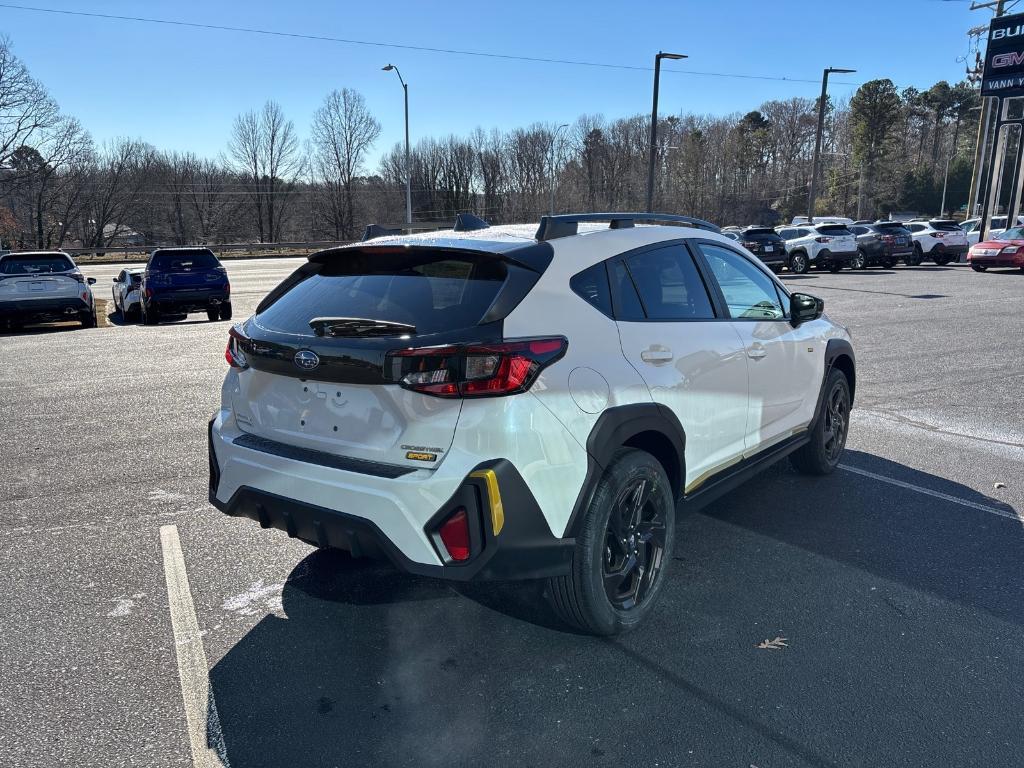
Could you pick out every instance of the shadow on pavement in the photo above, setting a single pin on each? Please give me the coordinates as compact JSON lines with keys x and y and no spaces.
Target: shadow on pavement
{"x":880,"y":590}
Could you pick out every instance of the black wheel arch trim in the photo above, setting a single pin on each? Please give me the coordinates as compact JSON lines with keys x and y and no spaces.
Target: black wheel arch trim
{"x":633,"y":425}
{"x":838,"y":351}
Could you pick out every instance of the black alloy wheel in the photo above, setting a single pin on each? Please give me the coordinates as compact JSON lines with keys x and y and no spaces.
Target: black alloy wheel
{"x":634,"y":546}
{"x":837,"y":420}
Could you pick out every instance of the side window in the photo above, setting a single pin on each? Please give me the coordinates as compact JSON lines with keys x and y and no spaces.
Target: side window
{"x":669,"y":284}
{"x":592,"y":286}
{"x":914,"y":227}
{"x":624,"y":296}
{"x":858,"y":230}
{"x":120,"y":276}
{"x":786,"y":234}
{"x":749,"y":293}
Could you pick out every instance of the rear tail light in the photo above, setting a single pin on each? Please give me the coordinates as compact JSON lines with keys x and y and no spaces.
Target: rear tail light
{"x":476,"y":370}
{"x":454,"y":533}
{"x":234,"y":353}
{"x":822,"y":239}
{"x":149,"y":292}
{"x":938,"y":234}
{"x":887,"y":238}
{"x":749,"y":244}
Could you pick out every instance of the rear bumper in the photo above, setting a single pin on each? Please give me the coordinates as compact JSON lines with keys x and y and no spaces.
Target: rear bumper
{"x":953,"y":250}
{"x":188,"y":301}
{"x":42,"y":310}
{"x":391,"y":517}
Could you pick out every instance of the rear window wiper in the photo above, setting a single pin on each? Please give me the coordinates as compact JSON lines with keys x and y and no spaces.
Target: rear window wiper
{"x":359,"y":326}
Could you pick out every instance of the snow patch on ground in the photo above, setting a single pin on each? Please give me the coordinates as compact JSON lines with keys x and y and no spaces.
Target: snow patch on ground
{"x":258,"y":598}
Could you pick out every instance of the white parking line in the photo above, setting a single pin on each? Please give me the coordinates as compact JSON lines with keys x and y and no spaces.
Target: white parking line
{"x":204,"y":732}
{"x":1010,"y":514}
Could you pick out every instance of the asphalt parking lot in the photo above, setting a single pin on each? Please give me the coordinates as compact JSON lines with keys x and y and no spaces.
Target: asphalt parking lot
{"x":896,"y":583}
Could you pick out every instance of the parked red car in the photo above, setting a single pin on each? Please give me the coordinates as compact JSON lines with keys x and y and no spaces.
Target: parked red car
{"x":1003,"y":250}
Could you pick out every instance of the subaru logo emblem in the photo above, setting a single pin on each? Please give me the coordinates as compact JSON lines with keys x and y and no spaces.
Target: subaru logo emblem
{"x":306,"y":359}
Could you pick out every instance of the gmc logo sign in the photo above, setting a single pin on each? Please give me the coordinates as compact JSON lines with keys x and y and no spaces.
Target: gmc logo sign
{"x":1014,"y":59}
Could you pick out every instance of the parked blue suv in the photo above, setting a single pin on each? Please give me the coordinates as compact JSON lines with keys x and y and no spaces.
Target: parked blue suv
{"x":182,"y":280}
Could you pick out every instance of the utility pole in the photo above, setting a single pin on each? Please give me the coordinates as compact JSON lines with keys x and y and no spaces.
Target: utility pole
{"x":654,"y":125}
{"x":817,"y":139}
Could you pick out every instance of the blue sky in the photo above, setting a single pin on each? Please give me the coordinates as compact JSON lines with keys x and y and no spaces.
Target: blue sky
{"x":180,"y":88}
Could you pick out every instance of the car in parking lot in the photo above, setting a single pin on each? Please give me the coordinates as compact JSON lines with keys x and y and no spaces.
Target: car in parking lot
{"x":127,"y":291}
{"x":182,"y":280}
{"x":826,"y":246}
{"x":941,"y":240}
{"x":765,"y":243}
{"x":525,"y":401}
{"x":882,"y":243}
{"x":1005,"y":249}
{"x":44,"y":286}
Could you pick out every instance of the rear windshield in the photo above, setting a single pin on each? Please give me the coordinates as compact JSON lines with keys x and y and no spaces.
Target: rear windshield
{"x":433,"y":291}
{"x":945,"y":226}
{"x":175,"y":261}
{"x":893,"y":228}
{"x":136,"y":277}
{"x":833,"y":230}
{"x":32,"y":265}
{"x":761,"y":232}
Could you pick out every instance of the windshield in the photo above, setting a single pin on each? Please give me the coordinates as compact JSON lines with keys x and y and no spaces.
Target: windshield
{"x":1014,"y":233}
{"x":32,"y":265}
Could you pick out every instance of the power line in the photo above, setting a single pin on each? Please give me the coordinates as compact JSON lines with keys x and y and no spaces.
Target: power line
{"x":400,"y":46}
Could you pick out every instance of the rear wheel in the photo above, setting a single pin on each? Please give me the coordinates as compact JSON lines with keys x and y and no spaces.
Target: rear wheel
{"x":225,"y":310}
{"x":623,"y":550}
{"x":213,"y":314}
{"x":150,"y":315}
{"x":87,"y":319}
{"x":859,"y":260}
{"x":798,"y":263}
{"x":940,"y":257}
{"x":835,"y":266}
{"x":828,"y":432}
{"x":915,"y":259}
{"x":981,"y":267}
{"x":888,"y":263}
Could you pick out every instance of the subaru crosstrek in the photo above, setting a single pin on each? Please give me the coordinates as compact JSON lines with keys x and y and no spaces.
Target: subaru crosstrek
{"x":182,"y":280}
{"x":44,"y":286}
{"x":513,"y":402}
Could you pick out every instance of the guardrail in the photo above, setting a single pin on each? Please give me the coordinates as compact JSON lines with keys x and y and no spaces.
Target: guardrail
{"x":315,"y":245}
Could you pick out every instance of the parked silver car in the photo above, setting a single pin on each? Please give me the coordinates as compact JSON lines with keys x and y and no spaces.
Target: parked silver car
{"x":44,"y":286}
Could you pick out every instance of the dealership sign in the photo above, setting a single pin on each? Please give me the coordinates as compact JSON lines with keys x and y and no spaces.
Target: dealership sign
{"x":1004,"y":58}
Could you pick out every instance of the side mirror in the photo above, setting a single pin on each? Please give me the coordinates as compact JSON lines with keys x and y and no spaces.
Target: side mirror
{"x":113,"y":279}
{"x":91,"y":280}
{"x":803,"y":308}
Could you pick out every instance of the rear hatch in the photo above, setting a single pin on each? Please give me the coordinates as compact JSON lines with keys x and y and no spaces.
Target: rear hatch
{"x":763,"y":241}
{"x":185,"y":272}
{"x":42,"y":277}
{"x":948,"y":231}
{"x":321,"y":349}
{"x":894,"y":234}
{"x":840,"y":239}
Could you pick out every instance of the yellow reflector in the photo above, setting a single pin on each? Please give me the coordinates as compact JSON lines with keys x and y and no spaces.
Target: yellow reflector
{"x":493,"y":497}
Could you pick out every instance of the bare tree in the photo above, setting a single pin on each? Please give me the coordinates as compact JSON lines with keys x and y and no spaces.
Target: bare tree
{"x":267,"y":152}
{"x":343,"y":131}
{"x":117,"y":178}
{"x":25,"y":106}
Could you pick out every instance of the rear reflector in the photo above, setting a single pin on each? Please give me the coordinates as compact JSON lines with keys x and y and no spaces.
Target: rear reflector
{"x":454,"y":534}
{"x":489,"y":370}
{"x":234,"y":353}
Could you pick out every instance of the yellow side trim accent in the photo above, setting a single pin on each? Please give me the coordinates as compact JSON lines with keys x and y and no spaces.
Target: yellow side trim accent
{"x":700,"y":480}
{"x":493,"y":497}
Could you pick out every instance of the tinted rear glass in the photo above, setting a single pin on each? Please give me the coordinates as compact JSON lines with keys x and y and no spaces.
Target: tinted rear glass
{"x":890,"y":226}
{"x":173,"y":261}
{"x":32,"y":265}
{"x":946,"y":226}
{"x":136,"y":278}
{"x":434,"y":291}
{"x":761,"y":232}
{"x":834,"y":230}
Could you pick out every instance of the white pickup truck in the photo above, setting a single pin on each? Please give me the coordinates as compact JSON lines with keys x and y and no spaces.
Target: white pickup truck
{"x":44,"y":286}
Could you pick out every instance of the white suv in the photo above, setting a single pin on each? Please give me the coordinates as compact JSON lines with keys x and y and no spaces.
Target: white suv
{"x":44,"y":286}
{"x":513,"y":402}
{"x":940,"y":240}
{"x":826,"y":246}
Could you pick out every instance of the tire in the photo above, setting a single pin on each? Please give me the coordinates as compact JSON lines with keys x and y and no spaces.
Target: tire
{"x":859,"y":261}
{"x":940,"y":257}
{"x":212,"y":314}
{"x":917,"y":258}
{"x":798,"y":263}
{"x":829,"y":431}
{"x":149,"y":316}
{"x":225,"y":310}
{"x":834,"y":266}
{"x":87,"y":319}
{"x":888,"y":263}
{"x":981,"y":267}
{"x":601,"y":595}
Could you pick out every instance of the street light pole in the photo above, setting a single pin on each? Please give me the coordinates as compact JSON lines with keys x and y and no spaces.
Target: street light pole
{"x":554,"y":138}
{"x":408,"y":162}
{"x":654,"y":125}
{"x":817,"y":140}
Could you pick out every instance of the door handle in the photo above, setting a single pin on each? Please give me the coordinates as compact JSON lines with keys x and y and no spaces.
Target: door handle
{"x":756,"y":352}
{"x":656,"y":354}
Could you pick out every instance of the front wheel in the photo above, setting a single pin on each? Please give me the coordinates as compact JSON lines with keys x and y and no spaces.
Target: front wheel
{"x":859,"y":261}
{"x":622,"y":552}
{"x":828,"y":432}
{"x":798,"y":263}
{"x":981,"y":268}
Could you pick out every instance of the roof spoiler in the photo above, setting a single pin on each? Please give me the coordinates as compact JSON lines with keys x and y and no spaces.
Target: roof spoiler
{"x":376,"y":230}
{"x":467,"y":222}
{"x":566,"y":225}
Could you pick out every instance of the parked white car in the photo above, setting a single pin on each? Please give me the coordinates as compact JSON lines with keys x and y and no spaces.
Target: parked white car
{"x":127,"y":292}
{"x":516,"y":402}
{"x":44,"y":286}
{"x":826,"y":246}
{"x":972,"y":228}
{"x":941,"y":240}
{"x":803,"y":220}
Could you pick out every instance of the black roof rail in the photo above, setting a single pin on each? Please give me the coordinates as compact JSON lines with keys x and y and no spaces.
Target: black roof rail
{"x":467,"y":222}
{"x":376,"y":230}
{"x":566,"y":225}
